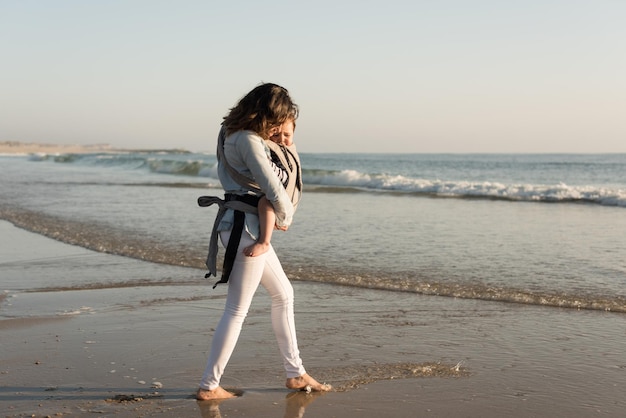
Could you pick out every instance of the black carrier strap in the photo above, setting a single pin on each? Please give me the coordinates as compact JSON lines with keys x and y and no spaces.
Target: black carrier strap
{"x":235,"y":235}
{"x":248,"y":199}
{"x":231,"y":248}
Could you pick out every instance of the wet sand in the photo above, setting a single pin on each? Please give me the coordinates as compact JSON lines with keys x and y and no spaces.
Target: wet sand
{"x":387,"y":353}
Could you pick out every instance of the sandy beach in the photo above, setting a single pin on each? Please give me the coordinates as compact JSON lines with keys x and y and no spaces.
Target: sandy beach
{"x":386,"y":353}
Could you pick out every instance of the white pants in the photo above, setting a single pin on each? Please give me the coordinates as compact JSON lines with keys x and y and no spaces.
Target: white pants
{"x":244,"y":280}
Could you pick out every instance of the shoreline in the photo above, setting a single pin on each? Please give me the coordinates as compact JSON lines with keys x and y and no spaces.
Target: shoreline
{"x":146,"y":358}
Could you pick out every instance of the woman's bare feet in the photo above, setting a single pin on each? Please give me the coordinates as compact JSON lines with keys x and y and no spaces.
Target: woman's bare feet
{"x":211,"y":395}
{"x":256,"y":249}
{"x":307,"y":383}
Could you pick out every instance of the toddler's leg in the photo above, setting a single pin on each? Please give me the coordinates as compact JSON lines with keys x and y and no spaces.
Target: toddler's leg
{"x":267,"y":220}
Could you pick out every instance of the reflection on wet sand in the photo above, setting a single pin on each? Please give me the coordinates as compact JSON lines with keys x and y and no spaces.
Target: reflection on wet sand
{"x":210,"y":409}
{"x":298,"y":401}
{"x":295,"y":405}
{"x":349,"y":378}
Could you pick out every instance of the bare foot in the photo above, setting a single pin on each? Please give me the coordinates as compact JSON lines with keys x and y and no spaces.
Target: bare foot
{"x":210,"y":395}
{"x":307,"y":383}
{"x":257,"y":249}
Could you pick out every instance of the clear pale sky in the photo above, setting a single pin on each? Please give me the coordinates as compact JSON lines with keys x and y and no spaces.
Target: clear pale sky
{"x":369,"y":76}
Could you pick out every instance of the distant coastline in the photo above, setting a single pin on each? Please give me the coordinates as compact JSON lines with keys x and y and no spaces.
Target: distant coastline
{"x":16,"y":147}
{"x":25,"y":148}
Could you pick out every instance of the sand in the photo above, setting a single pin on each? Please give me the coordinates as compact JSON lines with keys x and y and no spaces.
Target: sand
{"x":387,"y":353}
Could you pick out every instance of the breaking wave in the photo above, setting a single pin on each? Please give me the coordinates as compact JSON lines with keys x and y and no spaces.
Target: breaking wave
{"x":190,"y":169}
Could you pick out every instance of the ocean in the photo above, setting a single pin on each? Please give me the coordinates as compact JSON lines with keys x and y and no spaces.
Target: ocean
{"x":541,"y":229}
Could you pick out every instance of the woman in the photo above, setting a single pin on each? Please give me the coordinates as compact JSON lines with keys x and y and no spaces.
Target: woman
{"x":246,"y":175}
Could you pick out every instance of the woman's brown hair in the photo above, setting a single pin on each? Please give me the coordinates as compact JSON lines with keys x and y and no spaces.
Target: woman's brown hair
{"x":265,"y":107}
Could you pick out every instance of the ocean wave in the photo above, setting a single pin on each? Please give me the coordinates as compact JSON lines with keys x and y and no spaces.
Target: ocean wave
{"x":350,"y":181}
{"x":158,"y":162}
{"x":187,"y":168}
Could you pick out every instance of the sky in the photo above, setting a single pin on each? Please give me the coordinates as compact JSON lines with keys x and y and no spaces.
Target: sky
{"x":414,"y":76}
